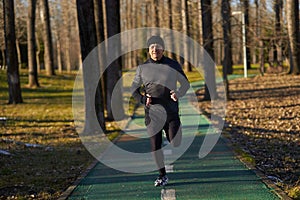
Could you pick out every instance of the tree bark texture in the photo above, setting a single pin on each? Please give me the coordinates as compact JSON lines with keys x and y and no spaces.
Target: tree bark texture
{"x":114,"y":70}
{"x":227,"y":60}
{"x":207,"y":34}
{"x":32,"y":63}
{"x":14,"y":86}
{"x":292,"y":10}
{"x":48,"y":54}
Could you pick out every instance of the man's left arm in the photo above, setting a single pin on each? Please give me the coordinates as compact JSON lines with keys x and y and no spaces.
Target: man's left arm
{"x":184,"y":84}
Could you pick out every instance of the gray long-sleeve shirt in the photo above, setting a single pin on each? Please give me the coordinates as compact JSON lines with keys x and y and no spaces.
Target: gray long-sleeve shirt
{"x":158,"y":79}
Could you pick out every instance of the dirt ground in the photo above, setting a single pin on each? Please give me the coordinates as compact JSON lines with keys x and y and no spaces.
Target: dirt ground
{"x":263,"y":121}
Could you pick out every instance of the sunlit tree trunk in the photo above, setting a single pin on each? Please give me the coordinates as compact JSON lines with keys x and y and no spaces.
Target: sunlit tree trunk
{"x":292,"y":15}
{"x":14,"y":86}
{"x":38,"y":51}
{"x":57,"y":36}
{"x":256,"y":31}
{"x":20,"y":28}
{"x":67,"y":34}
{"x":48,"y":54}
{"x":155,"y":16}
{"x":170,"y":25}
{"x":246,"y":16}
{"x":186,"y":31}
{"x":19,"y":53}
{"x":177,"y":25}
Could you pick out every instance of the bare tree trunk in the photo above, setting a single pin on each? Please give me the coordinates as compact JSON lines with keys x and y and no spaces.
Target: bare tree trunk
{"x":14,"y":86}
{"x":114,"y":70}
{"x":262,"y":8}
{"x":262,"y":56}
{"x":200,"y":23}
{"x":155,"y":16}
{"x":38,"y":51}
{"x":227,"y":61}
{"x":67,"y":35}
{"x":177,"y":25}
{"x":58,"y":49}
{"x":77,"y":31}
{"x":254,"y":54}
{"x":88,"y":41}
{"x":67,"y":52}
{"x":210,"y":79}
{"x":18,"y":54}
{"x":57,"y":36}
{"x":32,"y":62}
{"x":246,"y":17}
{"x":100,"y":91}
{"x":186,"y":31}
{"x":48,"y":54}
{"x":292,"y":12}
{"x":129,"y":24}
{"x":278,"y":5}
{"x":170,"y":24}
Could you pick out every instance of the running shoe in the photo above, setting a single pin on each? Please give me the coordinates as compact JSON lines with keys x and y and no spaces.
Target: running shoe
{"x":161,"y":181}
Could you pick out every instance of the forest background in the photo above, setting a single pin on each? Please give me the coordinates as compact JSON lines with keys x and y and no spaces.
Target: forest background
{"x":43,"y":44}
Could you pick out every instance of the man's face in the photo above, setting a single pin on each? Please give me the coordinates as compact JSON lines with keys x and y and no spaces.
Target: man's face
{"x":156,"y":51}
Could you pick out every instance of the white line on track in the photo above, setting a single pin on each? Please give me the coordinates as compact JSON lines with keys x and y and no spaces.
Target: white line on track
{"x":169,"y":168}
{"x":168,"y":194}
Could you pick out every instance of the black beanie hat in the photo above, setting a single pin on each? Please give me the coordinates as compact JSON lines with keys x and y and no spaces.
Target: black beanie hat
{"x":155,"y":40}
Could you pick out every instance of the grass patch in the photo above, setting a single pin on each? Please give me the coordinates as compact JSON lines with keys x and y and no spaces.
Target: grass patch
{"x":45,"y":119}
{"x":244,"y":156}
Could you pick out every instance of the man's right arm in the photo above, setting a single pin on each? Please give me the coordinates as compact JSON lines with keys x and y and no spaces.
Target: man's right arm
{"x":136,"y":86}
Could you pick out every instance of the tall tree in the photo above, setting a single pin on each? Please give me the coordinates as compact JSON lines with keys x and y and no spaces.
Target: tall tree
{"x":292,"y":15}
{"x":246,"y":20}
{"x":226,"y":13}
{"x":256,"y":31}
{"x":186,"y":31}
{"x":177,"y":25}
{"x":262,"y":8}
{"x":20,"y":23}
{"x":100,"y":91}
{"x":207,"y":34}
{"x":114,"y":70}
{"x":155,"y":18}
{"x":277,"y":51}
{"x":13,"y":77}
{"x":170,"y":26}
{"x":88,"y":41}
{"x":66,"y":6}
{"x":57,"y":35}
{"x":32,"y":63}
{"x":227,"y":61}
{"x":48,"y":54}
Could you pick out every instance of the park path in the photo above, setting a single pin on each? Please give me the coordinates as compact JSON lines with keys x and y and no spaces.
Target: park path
{"x":219,"y":175}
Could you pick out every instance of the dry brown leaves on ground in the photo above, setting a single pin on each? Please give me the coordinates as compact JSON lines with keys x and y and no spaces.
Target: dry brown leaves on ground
{"x":263,"y":119}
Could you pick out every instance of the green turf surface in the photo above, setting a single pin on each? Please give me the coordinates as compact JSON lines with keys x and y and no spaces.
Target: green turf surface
{"x":217,"y":176}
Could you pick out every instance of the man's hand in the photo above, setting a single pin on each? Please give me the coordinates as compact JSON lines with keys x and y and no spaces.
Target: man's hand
{"x":148,"y":100}
{"x":173,"y":95}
